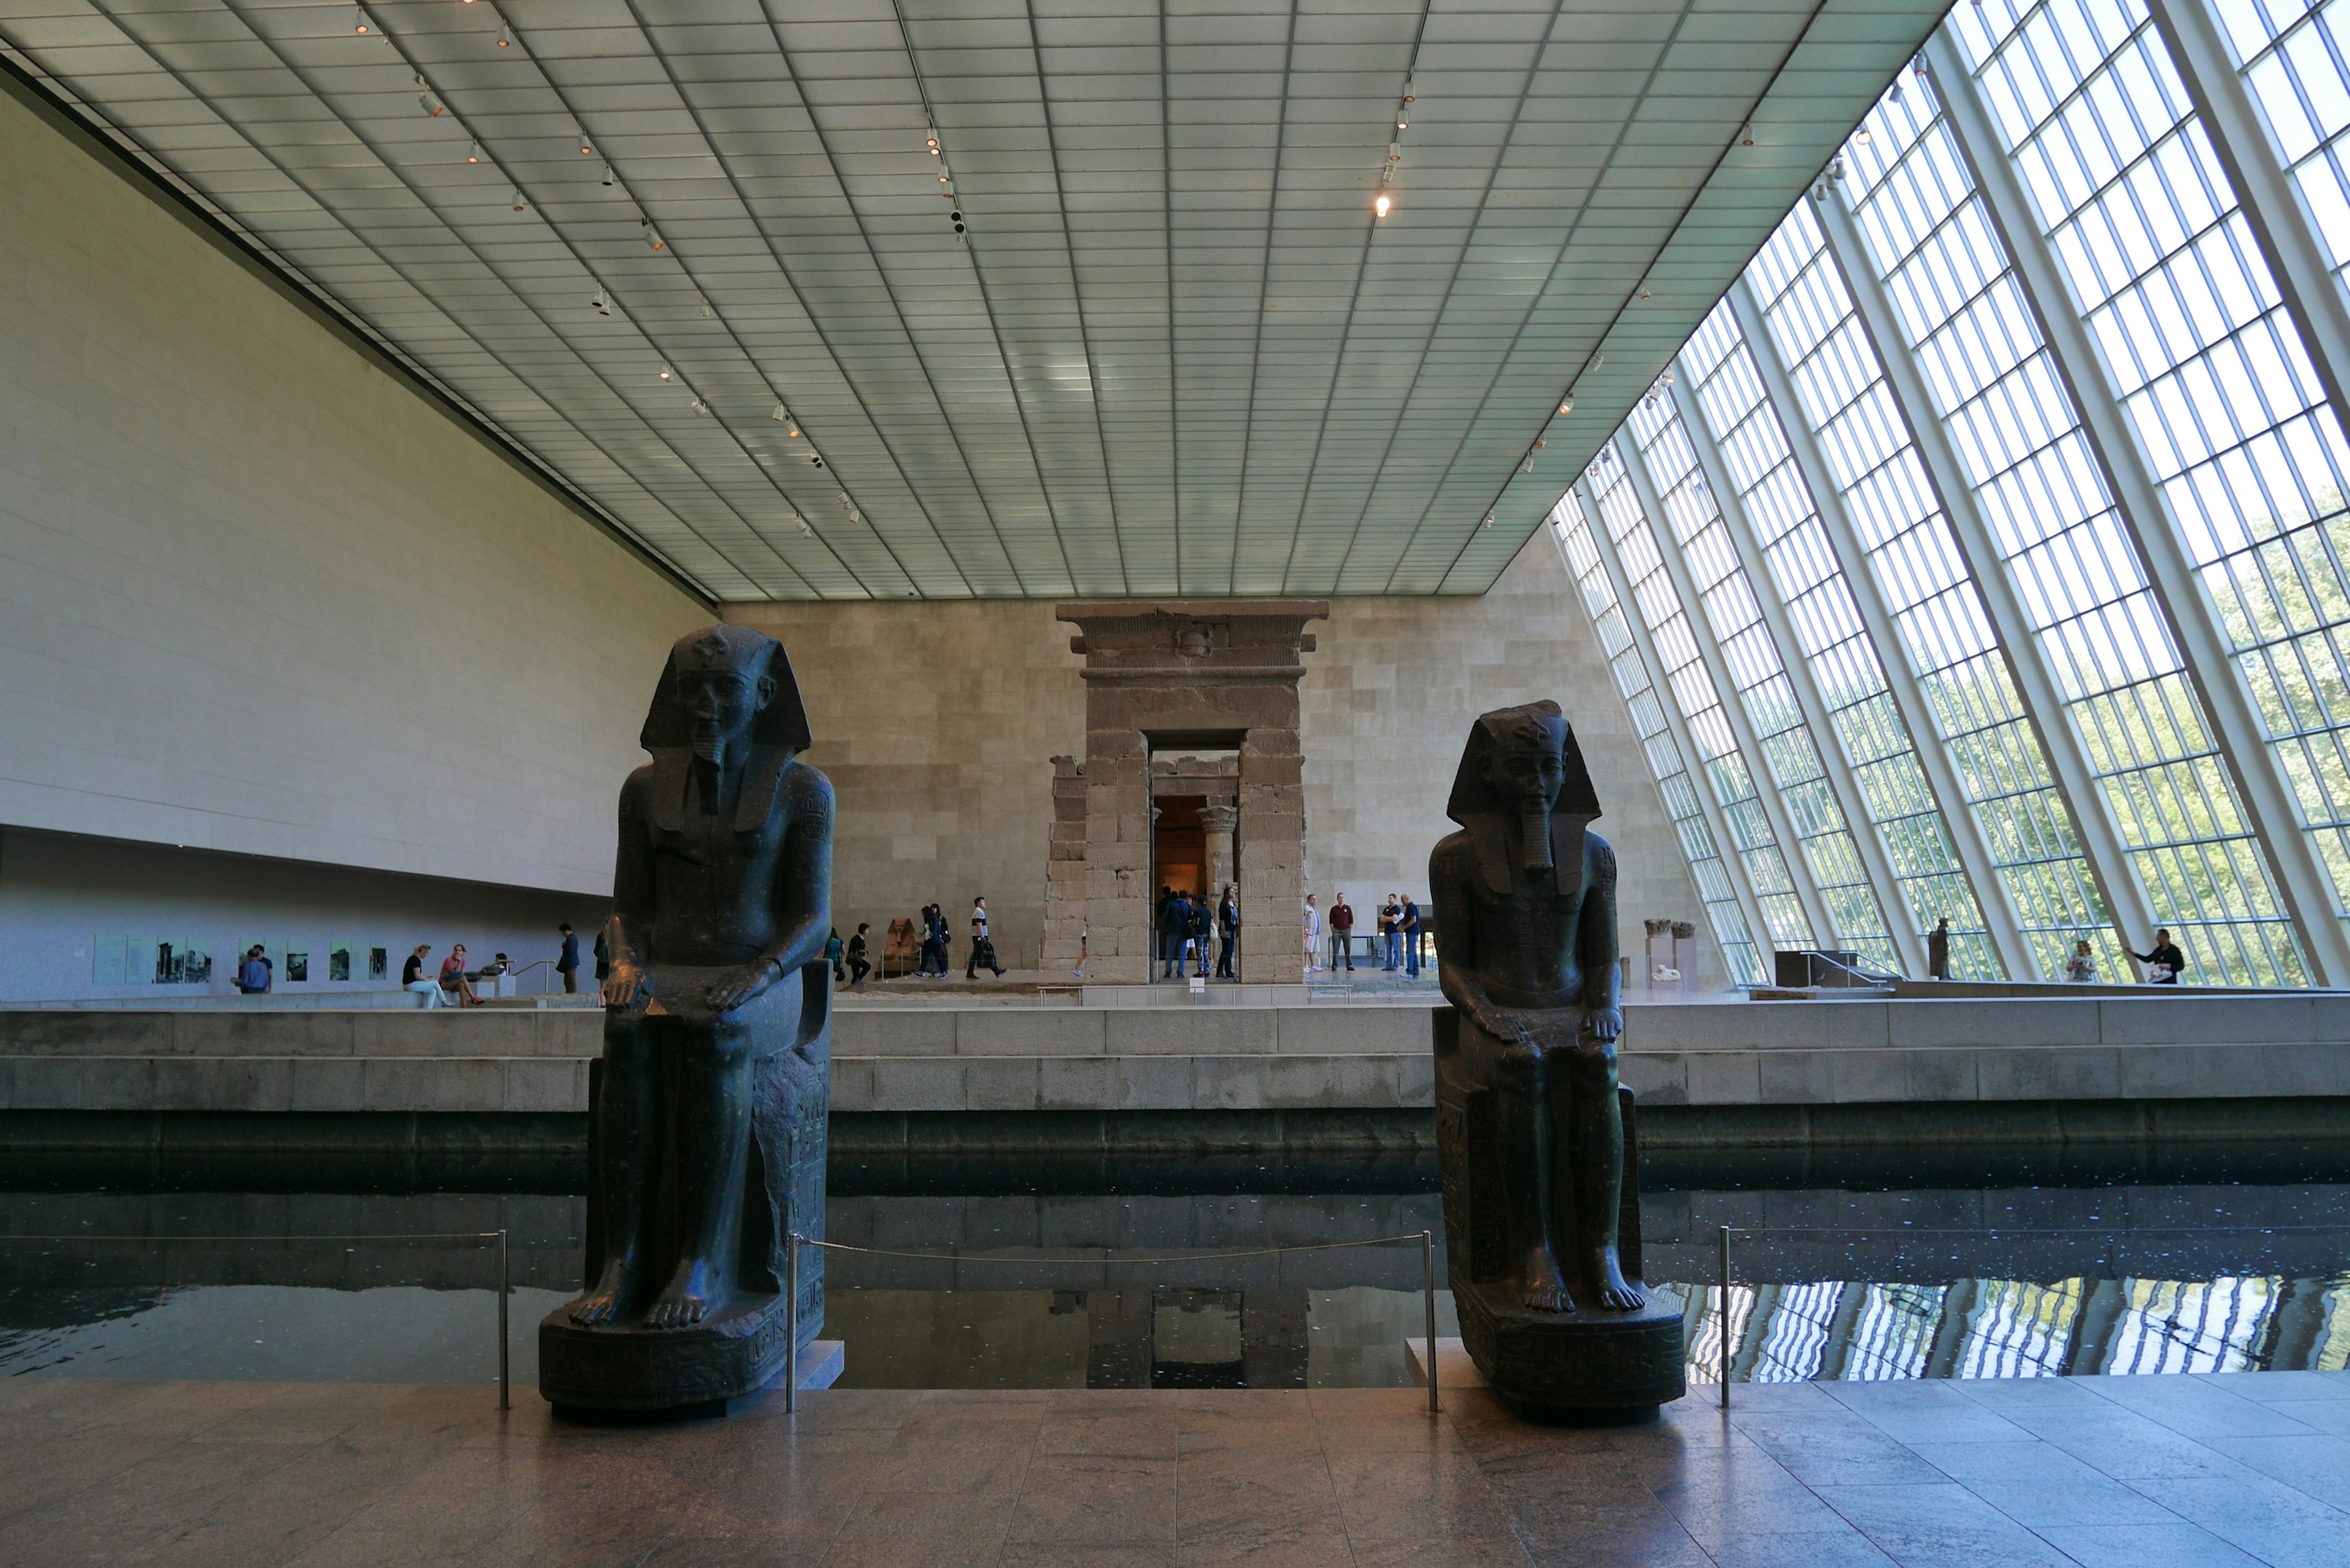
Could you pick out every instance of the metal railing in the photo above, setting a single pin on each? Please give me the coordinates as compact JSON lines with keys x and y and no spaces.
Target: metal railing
{"x":506,"y":1276}
{"x":1427,"y":1239}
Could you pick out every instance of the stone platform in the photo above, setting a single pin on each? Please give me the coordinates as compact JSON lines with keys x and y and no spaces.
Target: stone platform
{"x":2066,"y":1046}
{"x":2144,"y":1472}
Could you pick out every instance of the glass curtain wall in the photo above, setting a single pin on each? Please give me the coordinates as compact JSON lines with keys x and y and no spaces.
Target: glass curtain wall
{"x":1693,"y":519}
{"x":1805,"y":576}
{"x":1931,"y":595}
{"x":1659,"y":605}
{"x":1665,"y":760}
{"x":2128,"y":204}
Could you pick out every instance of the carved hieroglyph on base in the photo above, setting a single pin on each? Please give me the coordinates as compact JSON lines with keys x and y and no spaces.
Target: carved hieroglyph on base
{"x":706,"y":1113}
{"x":1172,"y":675}
{"x":1535,"y":1139}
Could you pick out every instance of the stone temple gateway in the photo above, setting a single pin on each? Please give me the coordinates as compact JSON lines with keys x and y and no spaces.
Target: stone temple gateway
{"x":1181,"y":680}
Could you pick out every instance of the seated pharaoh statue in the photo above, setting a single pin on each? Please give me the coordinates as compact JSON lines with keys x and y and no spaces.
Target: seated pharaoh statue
{"x":707,"y":1114}
{"x":1532,"y":1125}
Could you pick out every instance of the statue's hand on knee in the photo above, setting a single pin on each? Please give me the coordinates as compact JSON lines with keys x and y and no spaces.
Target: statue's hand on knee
{"x":738,"y":986}
{"x":1606,"y":1024}
{"x":627,"y":989}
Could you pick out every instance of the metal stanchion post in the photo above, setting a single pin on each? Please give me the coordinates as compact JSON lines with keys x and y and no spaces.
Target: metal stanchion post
{"x":505,"y":1339}
{"x":1721,"y":1318}
{"x":1427,"y":1301}
{"x":791,"y":1323}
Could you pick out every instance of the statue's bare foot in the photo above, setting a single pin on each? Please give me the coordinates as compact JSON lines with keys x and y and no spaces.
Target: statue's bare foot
{"x":1608,"y":1286}
{"x":610,"y":1297}
{"x":686,"y":1301}
{"x":1545,"y":1291}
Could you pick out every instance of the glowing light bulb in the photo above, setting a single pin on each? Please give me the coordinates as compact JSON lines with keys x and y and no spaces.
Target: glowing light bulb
{"x":1862,"y":136}
{"x":665,"y":372}
{"x":505,"y":37}
{"x":1382,"y":204}
{"x":474,"y":153}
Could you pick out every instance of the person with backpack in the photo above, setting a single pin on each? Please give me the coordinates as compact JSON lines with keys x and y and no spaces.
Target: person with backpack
{"x":833,"y":947}
{"x":983,"y":950}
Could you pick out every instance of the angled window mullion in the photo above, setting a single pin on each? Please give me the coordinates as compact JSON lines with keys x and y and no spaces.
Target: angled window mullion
{"x":1733,"y":865}
{"x":2172,"y":581}
{"x":1767,"y":793}
{"x":2002,"y":925}
{"x":1867,"y":833}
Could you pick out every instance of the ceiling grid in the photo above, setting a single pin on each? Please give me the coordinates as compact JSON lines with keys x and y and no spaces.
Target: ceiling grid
{"x":1174,"y":353}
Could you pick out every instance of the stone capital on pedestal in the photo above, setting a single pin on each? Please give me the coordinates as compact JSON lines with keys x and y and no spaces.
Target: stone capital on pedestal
{"x":1215,"y":819}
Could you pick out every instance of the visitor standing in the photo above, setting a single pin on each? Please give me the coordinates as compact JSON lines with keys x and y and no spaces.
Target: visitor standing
{"x":1174,"y":927}
{"x":983,"y":950}
{"x":253,"y":974}
{"x":1938,"y":950}
{"x":1228,"y":929}
{"x":858,"y":965}
{"x":1203,"y":924}
{"x":1162,"y":928}
{"x":2083,"y":968}
{"x":412,"y":976}
{"x":1391,"y":918}
{"x":1409,"y":924}
{"x":2165,"y":963}
{"x":1342,"y":933}
{"x":567,"y":963}
{"x":833,"y":949}
{"x":603,"y":960}
{"x":1313,"y":936}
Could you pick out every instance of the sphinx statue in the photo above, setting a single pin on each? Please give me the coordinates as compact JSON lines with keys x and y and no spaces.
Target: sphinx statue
{"x":707,"y":1109}
{"x":1533,"y":1133}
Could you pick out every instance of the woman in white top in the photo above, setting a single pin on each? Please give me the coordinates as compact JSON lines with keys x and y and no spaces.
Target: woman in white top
{"x":1312,"y":936}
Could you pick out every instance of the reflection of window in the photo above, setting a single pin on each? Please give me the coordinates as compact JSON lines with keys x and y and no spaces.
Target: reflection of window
{"x":1894,"y":1334}
{"x":1796,"y":1335}
{"x":2020,"y":1330}
{"x":1705,"y":1328}
{"x":2331,"y":1353}
{"x":2172,"y":1325}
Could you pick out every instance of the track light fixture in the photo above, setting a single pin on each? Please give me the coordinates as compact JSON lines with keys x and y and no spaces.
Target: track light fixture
{"x":1382,"y":205}
{"x":505,"y":37}
{"x":1644,"y":291}
{"x":584,"y":151}
{"x":474,"y":153}
{"x":1566,"y":404}
{"x":653,"y":235}
{"x":1746,"y":137}
{"x":362,"y":25}
{"x":520,"y":202}
{"x":807,"y":532}
{"x":608,"y":176}
{"x":1861,"y":137}
{"x":431,"y":106}
{"x":1488,"y":523}
{"x":701,"y":409}
{"x":779,"y":416}
{"x":602,"y":302}
{"x":666,"y":373}
{"x":1666,"y":379}
{"x":708,"y":314}
{"x":956,"y":218}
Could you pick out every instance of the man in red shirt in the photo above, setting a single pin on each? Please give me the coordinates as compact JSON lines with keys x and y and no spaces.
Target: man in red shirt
{"x":1342,"y":933}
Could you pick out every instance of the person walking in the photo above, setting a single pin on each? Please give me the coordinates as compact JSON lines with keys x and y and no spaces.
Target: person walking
{"x":1408,"y":925}
{"x":1938,"y":950}
{"x":832,"y":949}
{"x":2166,"y":963}
{"x":253,"y":975}
{"x":1342,"y":934}
{"x":858,"y":965}
{"x":411,"y":975}
{"x":567,"y":963}
{"x":2082,"y":969}
{"x":941,"y":938}
{"x":983,"y":950}
{"x":1228,"y":930}
{"x":1313,"y":936}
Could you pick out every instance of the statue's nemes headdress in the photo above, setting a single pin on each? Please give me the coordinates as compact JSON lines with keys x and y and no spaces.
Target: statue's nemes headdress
{"x":780,"y":730}
{"x":1474,"y":805}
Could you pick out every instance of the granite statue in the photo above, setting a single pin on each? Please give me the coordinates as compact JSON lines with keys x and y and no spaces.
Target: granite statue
{"x":707,"y":1109}
{"x":1535,"y":1137}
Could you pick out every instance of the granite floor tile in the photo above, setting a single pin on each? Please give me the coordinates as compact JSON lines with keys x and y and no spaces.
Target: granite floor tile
{"x":1228,"y":1489}
{"x":2035,"y":1483}
{"x":1835,"y":1450}
{"x":1047,"y":1554}
{"x":1084,"y":1500}
{"x":2266,"y":1518}
{"x":1654,"y":1543}
{"x":1263,"y":1545}
{"x":2318,"y":1465}
{"x":897,"y":1528}
{"x":2200,"y":1409}
{"x":1396,"y":1497}
{"x":1848,"y":1548}
{"x":1941,"y":1525}
{"x":2176,"y":1545}
{"x":2282,"y":1387}
{"x":1926,"y":1413}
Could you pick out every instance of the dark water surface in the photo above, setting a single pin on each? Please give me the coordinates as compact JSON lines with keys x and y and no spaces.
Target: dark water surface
{"x":2033,"y":1268}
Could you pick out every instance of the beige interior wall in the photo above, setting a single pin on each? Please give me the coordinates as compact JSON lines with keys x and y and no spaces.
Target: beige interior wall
{"x":258,"y":595}
{"x":937,"y":725}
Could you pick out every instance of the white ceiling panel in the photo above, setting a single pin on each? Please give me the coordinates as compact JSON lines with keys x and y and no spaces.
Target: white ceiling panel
{"x":1173,"y":352}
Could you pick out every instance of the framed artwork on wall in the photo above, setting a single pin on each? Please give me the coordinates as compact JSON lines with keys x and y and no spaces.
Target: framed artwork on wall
{"x":379,"y":962}
{"x":338,"y":962}
{"x":297,"y":968}
{"x":107,"y":957}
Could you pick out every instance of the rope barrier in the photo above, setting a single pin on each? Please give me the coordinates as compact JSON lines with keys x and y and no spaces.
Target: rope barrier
{"x":1177,"y":1258}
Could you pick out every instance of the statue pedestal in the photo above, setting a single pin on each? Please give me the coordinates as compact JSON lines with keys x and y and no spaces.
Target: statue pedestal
{"x":592,"y":1372}
{"x":1582,"y":1367}
{"x":1588,"y":1366}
